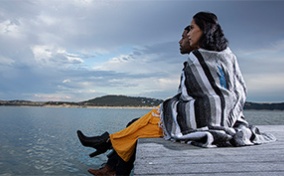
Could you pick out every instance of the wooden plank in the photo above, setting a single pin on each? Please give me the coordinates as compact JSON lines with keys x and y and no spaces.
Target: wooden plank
{"x":155,"y":156}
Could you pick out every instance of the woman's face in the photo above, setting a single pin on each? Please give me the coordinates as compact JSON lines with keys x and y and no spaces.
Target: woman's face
{"x":194,"y":34}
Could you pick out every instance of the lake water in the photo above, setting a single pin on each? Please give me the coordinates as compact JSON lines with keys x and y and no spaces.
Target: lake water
{"x":43,"y":141}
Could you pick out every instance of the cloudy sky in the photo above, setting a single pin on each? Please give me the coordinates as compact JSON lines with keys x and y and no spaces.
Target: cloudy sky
{"x":75,"y":50}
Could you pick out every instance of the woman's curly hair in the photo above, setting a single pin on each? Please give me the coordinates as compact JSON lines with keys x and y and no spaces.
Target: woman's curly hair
{"x":213,"y":37}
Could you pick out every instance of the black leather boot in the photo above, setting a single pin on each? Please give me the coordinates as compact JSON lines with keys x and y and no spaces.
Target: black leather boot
{"x":100,"y":143}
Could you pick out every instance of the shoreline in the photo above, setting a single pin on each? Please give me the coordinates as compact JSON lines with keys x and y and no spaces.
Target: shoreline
{"x":109,"y":107}
{"x":79,"y":106}
{"x":99,"y":107}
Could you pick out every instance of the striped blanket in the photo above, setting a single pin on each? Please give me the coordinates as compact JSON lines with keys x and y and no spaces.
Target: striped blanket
{"x":208,"y":109}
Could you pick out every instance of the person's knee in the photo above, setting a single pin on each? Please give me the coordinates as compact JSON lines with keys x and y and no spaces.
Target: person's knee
{"x":132,"y":121}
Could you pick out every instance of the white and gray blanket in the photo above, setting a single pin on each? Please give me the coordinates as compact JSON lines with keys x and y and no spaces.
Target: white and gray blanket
{"x":208,"y":109}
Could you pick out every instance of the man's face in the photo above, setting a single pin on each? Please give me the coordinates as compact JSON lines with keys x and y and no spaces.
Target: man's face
{"x":184,"y":44}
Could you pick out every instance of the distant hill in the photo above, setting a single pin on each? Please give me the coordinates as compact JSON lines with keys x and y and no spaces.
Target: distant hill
{"x":108,"y":100}
{"x":126,"y":101}
{"x":121,"y":100}
{"x":266,"y":106}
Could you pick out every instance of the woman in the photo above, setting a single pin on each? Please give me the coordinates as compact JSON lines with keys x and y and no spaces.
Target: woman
{"x":208,"y":109}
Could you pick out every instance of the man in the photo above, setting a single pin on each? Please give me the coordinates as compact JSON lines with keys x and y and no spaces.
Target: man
{"x":115,"y":165}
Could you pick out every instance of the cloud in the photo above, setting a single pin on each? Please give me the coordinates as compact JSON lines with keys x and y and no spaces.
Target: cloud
{"x":6,"y":61}
{"x":79,"y":49}
{"x":263,"y":71}
{"x":50,"y":56}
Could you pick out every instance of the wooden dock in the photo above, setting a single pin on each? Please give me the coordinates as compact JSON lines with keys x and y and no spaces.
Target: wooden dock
{"x":155,"y":156}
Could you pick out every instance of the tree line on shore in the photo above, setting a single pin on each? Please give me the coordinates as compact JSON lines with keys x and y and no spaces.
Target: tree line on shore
{"x":125,"y":101}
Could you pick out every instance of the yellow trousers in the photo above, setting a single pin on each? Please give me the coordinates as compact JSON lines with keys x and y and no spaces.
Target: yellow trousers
{"x":147,"y":126}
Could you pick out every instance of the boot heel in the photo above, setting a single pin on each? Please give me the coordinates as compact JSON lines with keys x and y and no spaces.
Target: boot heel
{"x":97,"y":152}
